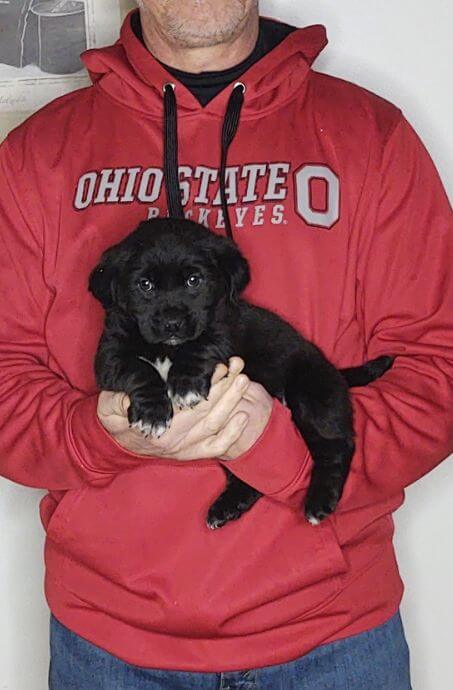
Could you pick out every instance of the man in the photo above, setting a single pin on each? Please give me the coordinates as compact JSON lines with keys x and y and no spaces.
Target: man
{"x":341,"y":214}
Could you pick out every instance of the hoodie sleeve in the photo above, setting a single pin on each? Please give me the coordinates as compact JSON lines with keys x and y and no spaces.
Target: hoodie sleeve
{"x":50,"y":436}
{"x":403,"y":422}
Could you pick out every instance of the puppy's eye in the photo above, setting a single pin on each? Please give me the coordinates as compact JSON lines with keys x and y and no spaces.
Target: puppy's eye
{"x":193,"y":281}
{"x":146,"y":285}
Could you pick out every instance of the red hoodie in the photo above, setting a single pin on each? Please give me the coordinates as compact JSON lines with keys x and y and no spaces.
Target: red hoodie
{"x":340,"y":211}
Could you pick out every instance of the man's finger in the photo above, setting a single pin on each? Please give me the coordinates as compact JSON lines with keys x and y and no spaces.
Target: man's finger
{"x":236,"y":365}
{"x":218,"y":445}
{"x":224,"y":404}
{"x":220,"y":372}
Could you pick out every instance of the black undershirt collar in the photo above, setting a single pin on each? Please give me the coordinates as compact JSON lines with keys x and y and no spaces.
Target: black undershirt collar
{"x":206,"y":85}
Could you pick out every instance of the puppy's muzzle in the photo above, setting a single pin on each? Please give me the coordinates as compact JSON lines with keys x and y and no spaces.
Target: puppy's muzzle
{"x":174,"y":327}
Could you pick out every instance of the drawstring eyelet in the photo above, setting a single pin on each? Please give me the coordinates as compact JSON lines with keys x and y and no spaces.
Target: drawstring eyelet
{"x":170,"y":84}
{"x":242,"y":85}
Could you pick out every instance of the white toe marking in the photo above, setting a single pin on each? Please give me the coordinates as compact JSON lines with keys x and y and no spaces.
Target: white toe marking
{"x":189,"y":400}
{"x":155,"y":430}
{"x":159,"y":430}
{"x":144,"y":428}
{"x":312,"y":520}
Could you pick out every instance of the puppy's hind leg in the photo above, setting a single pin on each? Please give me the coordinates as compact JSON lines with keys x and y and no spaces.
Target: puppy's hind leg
{"x":236,"y":500}
{"x":331,"y":462}
{"x":317,"y":397}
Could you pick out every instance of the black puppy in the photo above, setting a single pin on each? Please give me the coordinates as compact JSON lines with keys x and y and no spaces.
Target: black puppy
{"x":171,"y":293}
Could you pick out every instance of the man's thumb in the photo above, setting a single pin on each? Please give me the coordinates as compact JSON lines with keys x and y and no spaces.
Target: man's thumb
{"x":115,"y":403}
{"x":124,"y":403}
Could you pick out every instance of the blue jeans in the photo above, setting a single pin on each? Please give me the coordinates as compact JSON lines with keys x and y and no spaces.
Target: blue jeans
{"x":374,"y":660}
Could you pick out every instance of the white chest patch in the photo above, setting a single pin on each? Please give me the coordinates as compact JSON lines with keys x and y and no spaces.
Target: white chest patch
{"x":162,"y":366}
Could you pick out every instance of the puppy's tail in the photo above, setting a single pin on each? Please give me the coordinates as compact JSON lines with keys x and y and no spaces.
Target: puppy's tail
{"x":368,"y":372}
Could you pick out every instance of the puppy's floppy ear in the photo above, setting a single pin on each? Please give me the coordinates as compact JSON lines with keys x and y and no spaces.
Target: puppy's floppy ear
{"x":104,"y":281}
{"x":103,"y":284}
{"x":233,"y":265}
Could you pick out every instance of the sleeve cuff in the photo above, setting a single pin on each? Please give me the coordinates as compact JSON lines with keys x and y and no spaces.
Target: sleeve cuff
{"x":95,"y":450}
{"x":278,"y":464}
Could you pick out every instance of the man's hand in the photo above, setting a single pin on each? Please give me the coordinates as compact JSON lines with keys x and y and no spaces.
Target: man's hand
{"x":225,"y":426}
{"x":256,"y":403}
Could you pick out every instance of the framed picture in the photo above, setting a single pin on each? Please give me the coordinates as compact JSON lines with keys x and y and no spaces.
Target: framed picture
{"x":40,"y":46}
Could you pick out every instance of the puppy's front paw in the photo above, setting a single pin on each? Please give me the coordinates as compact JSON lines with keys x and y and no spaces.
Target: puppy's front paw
{"x":151,"y":416}
{"x":188,"y":390}
{"x":185,"y":400}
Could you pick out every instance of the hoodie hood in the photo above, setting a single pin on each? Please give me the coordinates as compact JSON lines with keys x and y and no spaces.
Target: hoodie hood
{"x":130,"y":74}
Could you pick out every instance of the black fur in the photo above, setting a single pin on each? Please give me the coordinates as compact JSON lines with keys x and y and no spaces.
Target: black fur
{"x":153,"y":312}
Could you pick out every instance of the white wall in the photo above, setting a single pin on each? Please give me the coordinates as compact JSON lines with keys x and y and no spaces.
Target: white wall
{"x":403,"y":51}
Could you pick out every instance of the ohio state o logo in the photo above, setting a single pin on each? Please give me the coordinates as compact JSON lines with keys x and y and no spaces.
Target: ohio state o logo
{"x":304,"y":177}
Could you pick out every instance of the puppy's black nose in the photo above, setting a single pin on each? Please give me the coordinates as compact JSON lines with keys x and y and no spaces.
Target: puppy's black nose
{"x":173,"y":326}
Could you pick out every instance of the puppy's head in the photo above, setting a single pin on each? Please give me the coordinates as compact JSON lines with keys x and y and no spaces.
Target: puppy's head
{"x":172,"y":276}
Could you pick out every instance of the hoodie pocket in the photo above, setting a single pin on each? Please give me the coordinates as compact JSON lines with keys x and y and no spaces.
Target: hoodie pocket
{"x":140,"y":547}
{"x":304,"y":573}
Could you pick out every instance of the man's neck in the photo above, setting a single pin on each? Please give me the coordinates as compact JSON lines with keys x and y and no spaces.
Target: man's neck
{"x":195,"y":60}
